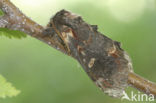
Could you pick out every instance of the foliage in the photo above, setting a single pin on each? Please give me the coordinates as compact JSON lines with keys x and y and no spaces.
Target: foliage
{"x":1,"y":13}
{"x":6,"y":88}
{"x":12,"y":33}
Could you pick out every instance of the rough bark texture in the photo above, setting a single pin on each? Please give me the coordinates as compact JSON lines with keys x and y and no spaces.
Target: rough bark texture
{"x":103,"y":59}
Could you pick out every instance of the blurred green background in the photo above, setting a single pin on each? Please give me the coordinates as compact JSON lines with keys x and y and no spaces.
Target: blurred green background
{"x":45,"y":75}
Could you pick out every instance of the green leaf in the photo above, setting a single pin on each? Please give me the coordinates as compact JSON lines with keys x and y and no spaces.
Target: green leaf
{"x":12,"y":33}
{"x":1,"y":13}
{"x":6,"y":88}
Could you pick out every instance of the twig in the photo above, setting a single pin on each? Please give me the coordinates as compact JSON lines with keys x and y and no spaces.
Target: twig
{"x":102,"y":58}
{"x":14,"y":19}
{"x":142,"y":84}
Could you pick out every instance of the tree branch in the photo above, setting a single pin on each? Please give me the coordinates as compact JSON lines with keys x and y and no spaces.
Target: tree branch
{"x":142,"y":84}
{"x":14,"y":19}
{"x":104,"y":61}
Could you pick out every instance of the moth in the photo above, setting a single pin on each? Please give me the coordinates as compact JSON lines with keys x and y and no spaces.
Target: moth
{"x":102,"y":58}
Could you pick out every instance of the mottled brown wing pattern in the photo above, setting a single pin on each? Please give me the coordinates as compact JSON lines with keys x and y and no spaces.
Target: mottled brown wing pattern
{"x":102,"y":58}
